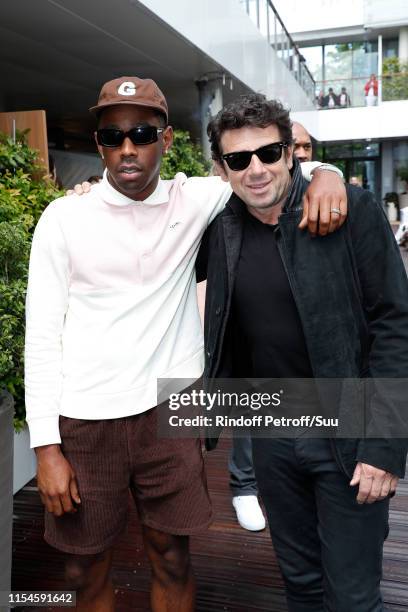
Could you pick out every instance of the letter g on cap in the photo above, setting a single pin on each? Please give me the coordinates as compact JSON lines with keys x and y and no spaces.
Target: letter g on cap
{"x":127,"y":89}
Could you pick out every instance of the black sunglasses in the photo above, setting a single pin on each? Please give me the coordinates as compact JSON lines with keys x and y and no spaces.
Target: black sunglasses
{"x":139,"y":135}
{"x":269,"y":154}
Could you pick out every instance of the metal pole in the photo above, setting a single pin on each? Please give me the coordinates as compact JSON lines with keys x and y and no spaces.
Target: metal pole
{"x":379,"y":70}
{"x":6,"y":491}
{"x":211,"y":101}
{"x":323,"y":70}
{"x":268,"y":31}
{"x":275,"y":34}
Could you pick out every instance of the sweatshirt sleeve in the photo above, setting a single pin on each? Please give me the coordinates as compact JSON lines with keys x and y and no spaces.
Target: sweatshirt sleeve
{"x":46,"y":306}
{"x":309,"y":167}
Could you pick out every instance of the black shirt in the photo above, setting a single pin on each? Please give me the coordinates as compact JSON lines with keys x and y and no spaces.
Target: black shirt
{"x":264,"y":310}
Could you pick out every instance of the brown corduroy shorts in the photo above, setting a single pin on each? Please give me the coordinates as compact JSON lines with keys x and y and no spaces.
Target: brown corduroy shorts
{"x":166,"y":478}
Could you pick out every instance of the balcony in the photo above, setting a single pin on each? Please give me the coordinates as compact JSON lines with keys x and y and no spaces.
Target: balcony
{"x":390,"y":88}
{"x":269,"y":23}
{"x":362,"y":116}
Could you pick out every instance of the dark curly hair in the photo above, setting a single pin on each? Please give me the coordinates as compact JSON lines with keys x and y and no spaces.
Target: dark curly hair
{"x":248,"y":110}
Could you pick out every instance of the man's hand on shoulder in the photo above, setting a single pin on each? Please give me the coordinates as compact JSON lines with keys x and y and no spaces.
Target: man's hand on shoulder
{"x":324,"y":203}
{"x":374,"y":484}
{"x":79,"y":189}
{"x":56,"y":481}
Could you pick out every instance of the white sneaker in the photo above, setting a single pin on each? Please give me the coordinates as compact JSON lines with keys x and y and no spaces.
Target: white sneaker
{"x":401,"y":233}
{"x":249,"y":513}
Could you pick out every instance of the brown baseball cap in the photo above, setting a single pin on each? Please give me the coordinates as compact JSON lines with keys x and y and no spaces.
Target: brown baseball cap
{"x":131,"y":90}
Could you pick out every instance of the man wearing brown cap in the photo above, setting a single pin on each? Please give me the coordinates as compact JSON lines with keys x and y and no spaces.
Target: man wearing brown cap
{"x":111,"y":307}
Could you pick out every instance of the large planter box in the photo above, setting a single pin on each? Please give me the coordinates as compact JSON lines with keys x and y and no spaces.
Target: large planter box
{"x":6,"y":482}
{"x":25,"y":465}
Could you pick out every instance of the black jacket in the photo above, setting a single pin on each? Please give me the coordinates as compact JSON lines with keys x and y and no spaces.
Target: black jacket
{"x":351,"y":291}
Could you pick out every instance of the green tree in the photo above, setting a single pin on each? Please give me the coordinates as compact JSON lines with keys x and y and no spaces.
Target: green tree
{"x":395,"y":80}
{"x":184,"y":156}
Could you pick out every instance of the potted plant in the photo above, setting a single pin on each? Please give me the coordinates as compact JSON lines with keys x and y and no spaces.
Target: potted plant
{"x":6,"y":482}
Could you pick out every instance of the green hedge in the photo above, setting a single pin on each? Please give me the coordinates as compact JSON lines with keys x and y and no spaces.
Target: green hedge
{"x":184,"y":156}
{"x":394,"y":80}
{"x":24,"y":193}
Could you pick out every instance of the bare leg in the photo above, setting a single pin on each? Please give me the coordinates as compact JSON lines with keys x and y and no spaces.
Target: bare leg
{"x":173,"y":584}
{"x":89,"y":576}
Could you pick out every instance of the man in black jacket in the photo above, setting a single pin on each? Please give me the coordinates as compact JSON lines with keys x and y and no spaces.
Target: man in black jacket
{"x":295,"y":307}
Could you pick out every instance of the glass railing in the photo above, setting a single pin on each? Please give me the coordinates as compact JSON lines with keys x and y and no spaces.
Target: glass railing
{"x":267,"y":20}
{"x":344,"y":93}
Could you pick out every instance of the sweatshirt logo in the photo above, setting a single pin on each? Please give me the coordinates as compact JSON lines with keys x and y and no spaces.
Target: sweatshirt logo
{"x":173,"y":225}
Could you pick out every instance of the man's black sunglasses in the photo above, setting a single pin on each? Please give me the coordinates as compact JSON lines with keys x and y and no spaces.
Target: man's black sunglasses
{"x":139,"y":135}
{"x":269,"y":154}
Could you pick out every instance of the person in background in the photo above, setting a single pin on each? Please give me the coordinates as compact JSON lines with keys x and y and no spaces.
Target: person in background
{"x":331,"y":100}
{"x":94,"y":179}
{"x":354,"y":180}
{"x":344,"y":98}
{"x":371,"y":91}
{"x":320,"y":99}
{"x":303,"y":148}
{"x":53,"y":176}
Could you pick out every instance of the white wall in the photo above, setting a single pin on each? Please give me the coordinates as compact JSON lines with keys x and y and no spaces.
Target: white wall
{"x":315,"y":15}
{"x":385,"y":13}
{"x":230,"y":38}
{"x":388,"y":120}
{"x":301,"y":16}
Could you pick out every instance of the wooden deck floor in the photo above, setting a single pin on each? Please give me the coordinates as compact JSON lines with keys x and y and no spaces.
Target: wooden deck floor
{"x":236,"y":569}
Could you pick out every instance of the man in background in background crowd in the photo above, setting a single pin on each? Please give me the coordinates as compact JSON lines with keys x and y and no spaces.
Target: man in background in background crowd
{"x":331,"y":100}
{"x":371,"y":91}
{"x":320,"y":99}
{"x":354,"y":180}
{"x":303,"y":149}
{"x":344,"y":98}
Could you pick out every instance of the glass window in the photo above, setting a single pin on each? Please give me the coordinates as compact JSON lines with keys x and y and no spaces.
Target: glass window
{"x":390,"y":48}
{"x":365,"y":61}
{"x":338,"y":62}
{"x":313,"y":57}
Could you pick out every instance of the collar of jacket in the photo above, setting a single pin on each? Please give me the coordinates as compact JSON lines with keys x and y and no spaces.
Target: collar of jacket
{"x":293,"y":201}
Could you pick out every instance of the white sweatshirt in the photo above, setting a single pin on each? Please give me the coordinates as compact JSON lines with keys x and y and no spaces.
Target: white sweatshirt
{"x":111,"y":301}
